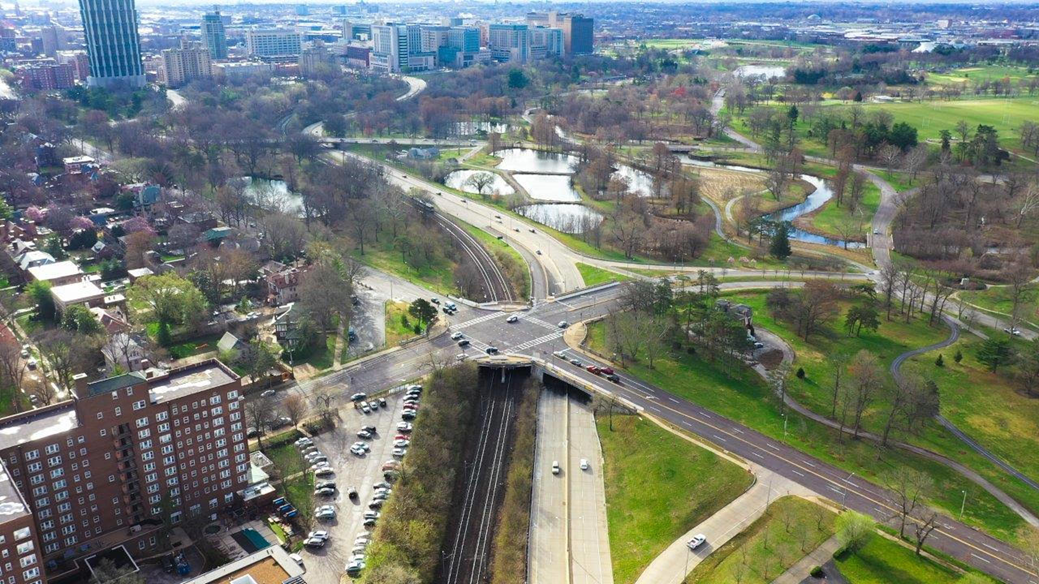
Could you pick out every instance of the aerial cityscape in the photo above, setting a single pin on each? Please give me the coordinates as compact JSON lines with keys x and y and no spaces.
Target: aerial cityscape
{"x":519,"y":292}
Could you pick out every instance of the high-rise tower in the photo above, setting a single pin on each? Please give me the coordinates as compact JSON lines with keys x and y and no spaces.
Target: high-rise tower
{"x":113,"y":46}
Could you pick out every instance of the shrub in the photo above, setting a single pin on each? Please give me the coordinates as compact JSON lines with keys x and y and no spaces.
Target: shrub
{"x":800,"y":373}
{"x":940,"y":361}
{"x":817,"y":572}
{"x":958,"y":356}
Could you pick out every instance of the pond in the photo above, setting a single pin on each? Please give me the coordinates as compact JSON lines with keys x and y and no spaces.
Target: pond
{"x":548,"y":187}
{"x":459,"y":179}
{"x":527,"y":160}
{"x":273,"y":195}
{"x":568,"y":217}
{"x":815,"y":200}
{"x":639,"y":183}
{"x":766,"y":71}
{"x":473,"y":128}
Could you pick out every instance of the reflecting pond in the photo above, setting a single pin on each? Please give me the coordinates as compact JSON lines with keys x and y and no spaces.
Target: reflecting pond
{"x":528,"y":160}
{"x":766,"y":71}
{"x":459,"y":179}
{"x":548,"y":187}
{"x":272,"y":195}
{"x":639,"y":183}
{"x":569,"y":218}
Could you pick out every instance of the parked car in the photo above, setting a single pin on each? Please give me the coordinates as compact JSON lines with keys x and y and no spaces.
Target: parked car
{"x":359,"y":397}
{"x":406,"y":416}
{"x":352,"y":493}
{"x":319,"y":534}
{"x":324,"y":471}
{"x":267,"y":393}
{"x":296,"y":558}
{"x":399,"y":452}
{"x":374,"y":405}
{"x":370,"y":429}
{"x":325,"y":512}
{"x":325,"y":491}
{"x":382,"y":402}
{"x":463,"y":343}
{"x":404,"y":427}
{"x":364,"y":435}
{"x":377,"y":504}
{"x":313,"y":542}
{"x":401,"y":443}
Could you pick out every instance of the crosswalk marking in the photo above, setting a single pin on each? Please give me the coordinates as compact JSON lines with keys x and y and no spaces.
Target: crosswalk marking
{"x":476,"y":320}
{"x":540,"y":322}
{"x":535,"y":342}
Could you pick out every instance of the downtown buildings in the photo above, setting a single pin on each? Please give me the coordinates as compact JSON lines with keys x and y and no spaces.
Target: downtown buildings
{"x":214,"y":35}
{"x":120,"y":463}
{"x":113,"y":44}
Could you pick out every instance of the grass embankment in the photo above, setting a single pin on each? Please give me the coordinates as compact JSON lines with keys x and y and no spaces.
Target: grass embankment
{"x":593,"y":276}
{"x":437,"y":273}
{"x":882,"y":561}
{"x":658,"y":486}
{"x":509,"y":556}
{"x":740,"y":394}
{"x":399,"y":324}
{"x":509,"y":260}
{"x":999,"y":299}
{"x":411,"y":530}
{"x":790,"y":528}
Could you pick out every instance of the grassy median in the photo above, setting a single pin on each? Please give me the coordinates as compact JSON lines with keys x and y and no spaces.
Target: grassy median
{"x":658,"y":486}
{"x":881,"y":561}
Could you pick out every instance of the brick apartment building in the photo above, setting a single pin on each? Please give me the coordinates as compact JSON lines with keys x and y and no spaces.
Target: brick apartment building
{"x":107,"y":467}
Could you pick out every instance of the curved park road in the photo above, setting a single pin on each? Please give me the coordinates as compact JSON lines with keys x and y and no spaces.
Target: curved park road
{"x":954,"y":335}
{"x":789,"y":355}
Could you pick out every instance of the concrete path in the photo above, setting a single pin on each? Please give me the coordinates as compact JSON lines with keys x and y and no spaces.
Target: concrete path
{"x":677,"y":561}
{"x":803,"y":568}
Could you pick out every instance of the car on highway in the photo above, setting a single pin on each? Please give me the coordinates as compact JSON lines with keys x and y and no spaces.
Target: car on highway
{"x":463,"y":343}
{"x":455,"y":336}
{"x":359,"y":397}
{"x":539,"y":252}
{"x":576,"y":362}
{"x":614,"y":378}
{"x":325,"y":512}
{"x":491,"y":350}
{"x":516,"y":229}
{"x":697,"y":541}
{"x":435,"y":300}
{"x":555,"y":467}
{"x":584,"y":464}
{"x":451,"y":305}
{"x":267,"y":393}
{"x":593,"y":369}
{"x":532,"y":230}
{"x":560,"y":354}
{"x":512,"y":318}
{"x":606,"y":370}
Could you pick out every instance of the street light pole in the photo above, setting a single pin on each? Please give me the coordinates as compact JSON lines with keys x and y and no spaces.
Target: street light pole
{"x":963,"y":505}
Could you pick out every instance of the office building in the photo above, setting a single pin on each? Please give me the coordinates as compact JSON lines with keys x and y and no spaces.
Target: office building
{"x":577,"y":35}
{"x":215,"y":35}
{"x":242,"y":70}
{"x":53,"y":39}
{"x":545,"y":42}
{"x":126,"y":456}
{"x":188,"y":63}
{"x":279,"y":43}
{"x":316,"y":60}
{"x":355,"y":31}
{"x":509,"y":43}
{"x":390,"y":48}
{"x":113,"y":45}
{"x":79,"y":61}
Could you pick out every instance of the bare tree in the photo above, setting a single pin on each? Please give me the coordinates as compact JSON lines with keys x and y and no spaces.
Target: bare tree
{"x":867,"y":379}
{"x":296,"y":408}
{"x":926,"y":523}
{"x":260,"y":413}
{"x":910,"y":487}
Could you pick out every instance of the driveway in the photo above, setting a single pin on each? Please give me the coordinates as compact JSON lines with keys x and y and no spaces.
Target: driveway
{"x":326,"y":565}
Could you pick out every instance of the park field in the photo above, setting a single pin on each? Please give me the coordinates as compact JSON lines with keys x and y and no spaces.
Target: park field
{"x":980,"y":73}
{"x":638,"y":457}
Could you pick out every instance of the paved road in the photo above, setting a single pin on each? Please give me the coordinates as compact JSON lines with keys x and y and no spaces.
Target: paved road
{"x":548,"y":551}
{"x":589,"y":532}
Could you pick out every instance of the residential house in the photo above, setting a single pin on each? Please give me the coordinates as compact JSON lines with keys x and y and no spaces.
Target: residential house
{"x":56,"y":273}
{"x":126,"y":351}
{"x":282,"y":283}
{"x":83,"y":292}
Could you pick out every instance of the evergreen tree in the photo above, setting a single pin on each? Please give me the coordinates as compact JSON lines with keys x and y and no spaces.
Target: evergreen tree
{"x":780,"y":246}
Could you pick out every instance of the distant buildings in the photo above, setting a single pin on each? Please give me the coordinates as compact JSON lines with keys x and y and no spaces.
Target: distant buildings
{"x":214,"y":35}
{"x":278,"y":43}
{"x":188,"y":63}
{"x":48,"y":76}
{"x":113,"y":45}
{"x":576,"y":28}
{"x":509,"y":43}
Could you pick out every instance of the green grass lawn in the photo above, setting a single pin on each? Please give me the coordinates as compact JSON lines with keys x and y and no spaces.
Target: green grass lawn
{"x":321,"y":357}
{"x":882,"y":561}
{"x":658,"y":486}
{"x":381,"y":255}
{"x":999,"y":299}
{"x":900,"y":181}
{"x":980,"y":73}
{"x":396,"y":331}
{"x":790,"y":528}
{"x":740,"y":394}
{"x":593,"y":276}
{"x":830,"y":219}
{"x":194,"y":347}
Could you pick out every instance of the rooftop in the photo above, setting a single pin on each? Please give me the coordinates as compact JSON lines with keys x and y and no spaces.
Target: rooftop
{"x":271,"y":565}
{"x":12,"y":505}
{"x":55,"y":271}
{"x":115,"y":383}
{"x":191,"y":379}
{"x":77,"y":292}
{"x":37,"y":424}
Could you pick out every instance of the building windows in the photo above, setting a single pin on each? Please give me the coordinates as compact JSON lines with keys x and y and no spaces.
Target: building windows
{"x":24,"y":548}
{"x":54,"y":461}
{"x":142,"y":422}
{"x":52,"y":449}
{"x":58,"y":472}
{"x":139,"y":405}
{"x":35,"y":467}
{"x":161,"y":416}
{"x":27,"y":560}
{"x":100,"y":416}
{"x":118,"y":411}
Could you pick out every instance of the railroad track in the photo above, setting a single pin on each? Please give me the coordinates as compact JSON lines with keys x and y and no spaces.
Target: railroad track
{"x":495,"y":282}
{"x":468,"y":559}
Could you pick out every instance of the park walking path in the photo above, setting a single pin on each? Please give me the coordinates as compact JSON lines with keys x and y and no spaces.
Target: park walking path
{"x":803,"y":568}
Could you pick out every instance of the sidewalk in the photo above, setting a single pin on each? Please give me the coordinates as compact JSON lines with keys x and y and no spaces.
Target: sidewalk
{"x":802,"y":569}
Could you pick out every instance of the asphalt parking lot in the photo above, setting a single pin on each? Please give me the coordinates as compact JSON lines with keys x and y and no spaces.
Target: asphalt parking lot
{"x":326,"y":565}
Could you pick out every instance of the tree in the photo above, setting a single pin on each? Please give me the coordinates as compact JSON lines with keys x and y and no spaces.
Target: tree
{"x":861,"y":316}
{"x":480,"y":181}
{"x":106,"y":572}
{"x":423,"y":311}
{"x":78,"y":318}
{"x":260,"y":359}
{"x":518,"y":79}
{"x":296,"y":408}
{"x":867,"y":379}
{"x":854,"y":529}
{"x":995,"y":351}
{"x":260,"y":413}
{"x":325,"y":293}
{"x":910,"y":487}
{"x":66,"y":354}
{"x":12,"y":369}
{"x":40,"y":292}
{"x":925,"y":524}
{"x":779,"y":248}
{"x":169,"y":298}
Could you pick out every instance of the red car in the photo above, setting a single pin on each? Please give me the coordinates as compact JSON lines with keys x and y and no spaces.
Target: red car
{"x":606,"y":371}
{"x":593,"y":369}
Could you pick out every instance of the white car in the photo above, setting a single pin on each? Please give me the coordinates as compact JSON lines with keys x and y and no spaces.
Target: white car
{"x":362,"y":445}
{"x":584,"y":464}
{"x":1013,"y":331}
{"x":314,"y":542}
{"x":560,"y":354}
{"x":399,"y":452}
{"x":267,"y":393}
{"x":325,"y":512}
{"x":319,"y":533}
{"x":404,"y":427}
{"x":512,"y":318}
{"x":401,"y":443}
{"x":456,"y":336}
{"x":563,"y":324}
{"x":555,"y":467}
{"x":697,"y":541}
{"x":296,"y":558}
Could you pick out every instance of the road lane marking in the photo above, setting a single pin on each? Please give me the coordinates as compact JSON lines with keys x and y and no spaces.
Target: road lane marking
{"x":980,"y":558}
{"x":797,"y":472}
